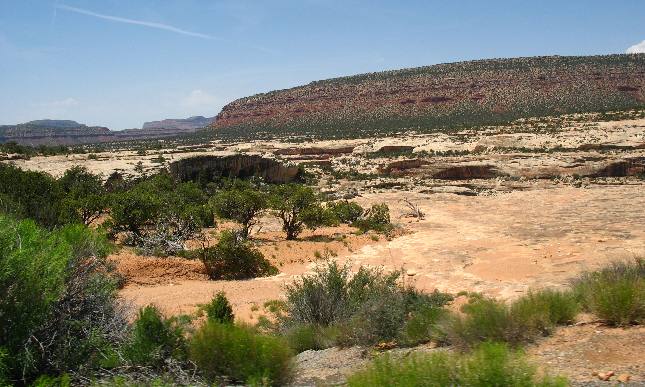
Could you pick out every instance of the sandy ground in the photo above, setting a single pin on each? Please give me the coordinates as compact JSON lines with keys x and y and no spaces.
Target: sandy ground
{"x":500,"y":245}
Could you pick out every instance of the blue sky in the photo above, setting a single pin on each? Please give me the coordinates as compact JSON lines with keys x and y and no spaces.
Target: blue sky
{"x":122,"y":62}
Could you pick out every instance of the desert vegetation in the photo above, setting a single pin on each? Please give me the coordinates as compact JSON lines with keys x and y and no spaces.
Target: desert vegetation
{"x":63,"y":321}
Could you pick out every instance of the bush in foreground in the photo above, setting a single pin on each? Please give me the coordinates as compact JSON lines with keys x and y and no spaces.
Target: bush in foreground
{"x":616,"y":293}
{"x":219,"y":309}
{"x":530,"y":316}
{"x":367,"y":307}
{"x":488,"y":365}
{"x":155,"y":339}
{"x":59,"y":307}
{"x":238,"y":352}
{"x":233,"y":258}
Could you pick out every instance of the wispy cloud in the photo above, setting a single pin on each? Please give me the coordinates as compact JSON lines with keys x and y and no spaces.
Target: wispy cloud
{"x":144,"y":23}
{"x":62,"y":103}
{"x":636,"y":49}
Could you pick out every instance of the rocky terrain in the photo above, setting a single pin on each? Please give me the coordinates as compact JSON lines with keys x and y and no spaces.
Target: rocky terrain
{"x":447,"y":95}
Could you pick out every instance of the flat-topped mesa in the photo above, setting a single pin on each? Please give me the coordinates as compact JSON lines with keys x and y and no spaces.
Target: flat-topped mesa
{"x":443,"y":96}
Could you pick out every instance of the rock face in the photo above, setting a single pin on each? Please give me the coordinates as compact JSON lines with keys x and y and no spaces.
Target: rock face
{"x":184,"y":124}
{"x":234,"y":166}
{"x":628,"y":167}
{"x":395,"y":149}
{"x":465,"y":172}
{"x":426,"y":98}
{"x":315,"y":151}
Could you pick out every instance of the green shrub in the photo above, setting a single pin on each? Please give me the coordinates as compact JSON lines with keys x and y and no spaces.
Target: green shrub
{"x":541,"y":311}
{"x":234,"y":258}
{"x":530,"y":316}
{"x":616,"y":293}
{"x":59,"y":306}
{"x":239,"y":353}
{"x":366,"y":307}
{"x":489,"y":365}
{"x":346,"y":211}
{"x":155,"y":339}
{"x":376,"y":218}
{"x":303,"y":337}
{"x":423,"y":325}
{"x":219,"y":309}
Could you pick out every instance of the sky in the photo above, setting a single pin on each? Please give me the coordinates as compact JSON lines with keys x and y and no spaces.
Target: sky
{"x":119,"y":63}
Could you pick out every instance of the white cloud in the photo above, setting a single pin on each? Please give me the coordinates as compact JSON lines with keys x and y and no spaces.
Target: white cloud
{"x":144,"y":23}
{"x":636,"y":49}
{"x":199,"y":99}
{"x":62,"y":103}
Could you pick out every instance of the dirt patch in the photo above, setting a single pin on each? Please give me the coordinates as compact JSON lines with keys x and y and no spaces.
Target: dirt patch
{"x":578,"y":351}
{"x":141,"y":270}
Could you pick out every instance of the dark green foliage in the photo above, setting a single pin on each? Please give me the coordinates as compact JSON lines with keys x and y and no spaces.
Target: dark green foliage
{"x":234,"y":258}
{"x":155,"y":339}
{"x":33,"y":195}
{"x":368,"y":307}
{"x":376,"y":218}
{"x":243,"y":204}
{"x":297,"y":206}
{"x":219,"y":309}
{"x":238,"y":352}
{"x":346,"y":211}
{"x":159,"y":215}
{"x":85,"y":196}
{"x":489,"y":365}
{"x":615,"y":293}
{"x":59,"y":306}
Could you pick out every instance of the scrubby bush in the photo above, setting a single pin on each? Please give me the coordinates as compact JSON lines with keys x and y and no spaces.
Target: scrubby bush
{"x":376,"y":218}
{"x":219,"y":309}
{"x":85,"y":197}
{"x":297,"y":206}
{"x":366,"y":307}
{"x":303,"y":337}
{"x":34,"y":195}
{"x":238,"y":352}
{"x":59,"y":306}
{"x":489,"y":365}
{"x":616,"y":293}
{"x":234,"y":258}
{"x":346,"y":211}
{"x":159,"y":215}
{"x":243,"y":204}
{"x":533,"y":315}
{"x":155,"y":339}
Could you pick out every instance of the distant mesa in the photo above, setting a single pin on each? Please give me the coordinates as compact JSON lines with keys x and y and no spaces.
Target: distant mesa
{"x":69,"y":132}
{"x":191,"y":123}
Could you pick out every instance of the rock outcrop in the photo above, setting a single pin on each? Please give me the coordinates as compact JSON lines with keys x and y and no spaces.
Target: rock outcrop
{"x":315,"y":151}
{"x":234,"y":166}
{"x":465,"y":172}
